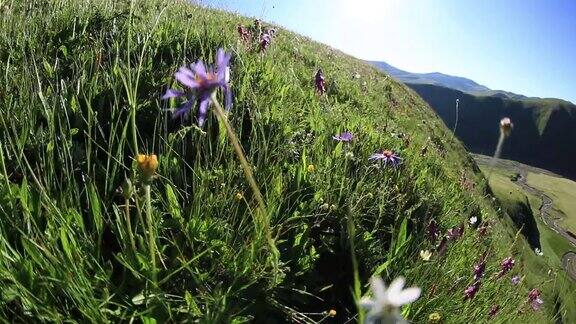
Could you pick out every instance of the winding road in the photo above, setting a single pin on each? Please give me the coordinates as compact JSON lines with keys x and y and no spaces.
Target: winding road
{"x":569,"y":258}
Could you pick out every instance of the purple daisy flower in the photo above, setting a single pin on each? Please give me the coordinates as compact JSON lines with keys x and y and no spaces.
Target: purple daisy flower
{"x":344,"y":137}
{"x":471,"y":291}
{"x":202,"y":81}
{"x":387,"y":157}
{"x":319,"y":82}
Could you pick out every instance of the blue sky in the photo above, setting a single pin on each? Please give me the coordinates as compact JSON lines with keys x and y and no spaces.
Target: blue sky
{"x":523,"y":46}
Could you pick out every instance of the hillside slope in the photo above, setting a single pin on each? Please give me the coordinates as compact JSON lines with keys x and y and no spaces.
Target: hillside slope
{"x":88,"y":232}
{"x":538,"y":224}
{"x":543,"y":128}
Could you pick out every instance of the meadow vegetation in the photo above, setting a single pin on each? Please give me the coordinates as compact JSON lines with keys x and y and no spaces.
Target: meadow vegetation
{"x":113,"y":210}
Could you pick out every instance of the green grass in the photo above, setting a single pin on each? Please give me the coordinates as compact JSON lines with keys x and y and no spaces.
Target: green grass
{"x":558,"y":286}
{"x":563,"y":192}
{"x":80,"y":97}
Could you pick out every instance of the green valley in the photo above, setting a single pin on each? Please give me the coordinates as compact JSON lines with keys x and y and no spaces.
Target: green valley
{"x":162,"y":162}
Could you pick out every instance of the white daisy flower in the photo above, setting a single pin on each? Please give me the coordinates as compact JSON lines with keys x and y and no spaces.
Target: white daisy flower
{"x":385,"y":303}
{"x":425,"y":255}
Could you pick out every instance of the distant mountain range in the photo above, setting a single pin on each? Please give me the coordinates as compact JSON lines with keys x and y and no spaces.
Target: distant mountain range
{"x":544,"y":128}
{"x":444,"y":80}
{"x":435,"y":78}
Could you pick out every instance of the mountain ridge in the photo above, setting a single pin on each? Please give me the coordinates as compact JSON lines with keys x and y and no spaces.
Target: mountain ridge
{"x":453,"y":82}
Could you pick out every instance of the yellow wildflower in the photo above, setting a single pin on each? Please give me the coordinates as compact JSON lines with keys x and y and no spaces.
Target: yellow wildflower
{"x":434,"y":318}
{"x":147,"y":164}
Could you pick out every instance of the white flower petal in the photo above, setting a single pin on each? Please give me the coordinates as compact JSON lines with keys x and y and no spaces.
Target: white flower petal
{"x":396,"y":287}
{"x":367,"y":303}
{"x":378,"y":288}
{"x":406,"y":296}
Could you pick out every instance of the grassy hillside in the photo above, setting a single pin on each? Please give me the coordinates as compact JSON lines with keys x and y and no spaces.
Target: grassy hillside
{"x":81,"y":97}
{"x":547,"y":270}
{"x":543,"y":128}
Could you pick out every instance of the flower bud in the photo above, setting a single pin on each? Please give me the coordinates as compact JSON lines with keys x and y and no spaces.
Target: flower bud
{"x":147,"y":165}
{"x":127,"y":188}
{"x":506,"y":126}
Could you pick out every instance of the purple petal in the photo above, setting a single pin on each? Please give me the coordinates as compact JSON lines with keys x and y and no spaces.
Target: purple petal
{"x":185,"y":77}
{"x":183,"y":110}
{"x":536,"y":303}
{"x":228,"y":94}
{"x":172,"y":93}
{"x":186,"y":71}
{"x":199,"y":69}
{"x":376,"y":156}
{"x":203,"y":110}
{"x":222,"y":59}
{"x":223,"y":75}
{"x":344,"y":137}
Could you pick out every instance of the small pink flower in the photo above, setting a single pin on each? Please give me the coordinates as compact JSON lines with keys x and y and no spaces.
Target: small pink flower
{"x":536,"y":304}
{"x":243,"y":32}
{"x":506,"y":265}
{"x":471,"y":291}
{"x":479,"y":269}
{"x":455,"y":232}
{"x":515,"y":280}
{"x":319,"y":82}
{"x":265,"y":41}
{"x":534,"y":299}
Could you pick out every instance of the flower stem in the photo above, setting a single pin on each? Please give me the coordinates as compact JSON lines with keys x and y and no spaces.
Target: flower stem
{"x":134,"y":129}
{"x":497,"y":153}
{"x":262,"y":218}
{"x":357,"y":290}
{"x":129,"y":225}
{"x":151,"y":236}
